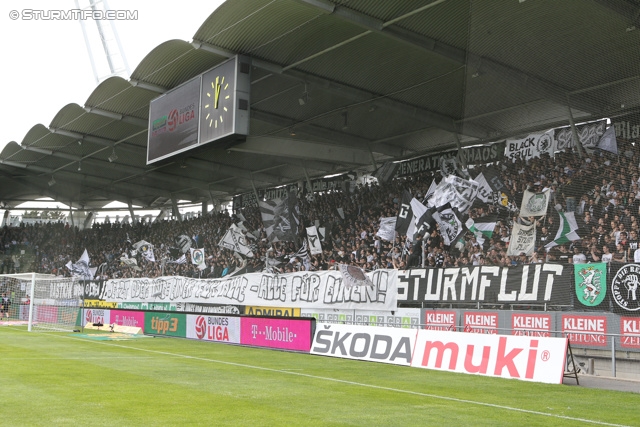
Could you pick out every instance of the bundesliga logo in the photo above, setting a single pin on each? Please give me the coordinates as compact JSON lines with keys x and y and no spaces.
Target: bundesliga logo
{"x":201,"y":327}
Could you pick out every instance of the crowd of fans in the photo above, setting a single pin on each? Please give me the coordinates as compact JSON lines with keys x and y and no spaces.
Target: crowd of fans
{"x":603,"y":190}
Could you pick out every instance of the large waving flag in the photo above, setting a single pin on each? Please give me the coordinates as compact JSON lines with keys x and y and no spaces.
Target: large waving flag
{"x":483,"y":227}
{"x":450,"y":225}
{"x":387,"y":229}
{"x":81,"y":267}
{"x":235,"y":241}
{"x":567,"y":232}
{"x":608,"y":141}
{"x":315,"y":247}
{"x":405,"y":214}
{"x":146,"y":250}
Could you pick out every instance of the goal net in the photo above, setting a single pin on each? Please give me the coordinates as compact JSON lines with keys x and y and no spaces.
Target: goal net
{"x":41,"y":301}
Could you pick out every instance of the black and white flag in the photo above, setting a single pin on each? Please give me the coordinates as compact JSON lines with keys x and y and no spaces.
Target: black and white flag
{"x":81,"y":267}
{"x":450,"y":225}
{"x":405,"y":214}
{"x":315,"y":247}
{"x":181,"y":260}
{"x":130,"y":262}
{"x":303,"y":254}
{"x":484,"y":189}
{"x":183,"y":242}
{"x":235,"y":241}
{"x":387,"y":229}
{"x":145,"y":249}
{"x":279,"y":222}
{"x":425,"y":223}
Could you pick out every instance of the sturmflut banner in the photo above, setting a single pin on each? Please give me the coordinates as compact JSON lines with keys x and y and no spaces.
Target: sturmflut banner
{"x":536,"y":283}
{"x":322,"y":289}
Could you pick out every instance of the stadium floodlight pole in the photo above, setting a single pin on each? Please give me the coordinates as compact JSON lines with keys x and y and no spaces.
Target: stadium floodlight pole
{"x":31,"y":298}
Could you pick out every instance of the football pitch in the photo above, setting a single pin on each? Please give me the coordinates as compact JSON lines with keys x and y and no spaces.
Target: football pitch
{"x":85,"y":379}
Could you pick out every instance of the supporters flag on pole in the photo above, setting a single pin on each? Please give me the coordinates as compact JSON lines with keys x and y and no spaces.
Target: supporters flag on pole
{"x":315,"y":247}
{"x":81,"y":267}
{"x":608,"y":141}
{"x":405,"y":214}
{"x":567,"y":232}
{"x":145,"y":249}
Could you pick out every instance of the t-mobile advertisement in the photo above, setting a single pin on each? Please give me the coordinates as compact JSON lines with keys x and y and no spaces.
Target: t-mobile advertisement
{"x":128,"y":318}
{"x":285,"y":334}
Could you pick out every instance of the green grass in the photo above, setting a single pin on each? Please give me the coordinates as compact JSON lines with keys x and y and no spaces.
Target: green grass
{"x":62,"y":379}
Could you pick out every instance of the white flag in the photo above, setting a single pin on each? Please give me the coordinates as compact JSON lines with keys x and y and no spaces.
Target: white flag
{"x":534,"y":204}
{"x":315,"y":247}
{"x":146,"y":250}
{"x":181,"y":260}
{"x":387,"y":229}
{"x":484,"y":189}
{"x":523,"y":240}
{"x":197,"y":258}
{"x":235,"y":241}
{"x":608,"y":141}
{"x":81,"y":267}
{"x":130,"y":262}
{"x":341,"y":212}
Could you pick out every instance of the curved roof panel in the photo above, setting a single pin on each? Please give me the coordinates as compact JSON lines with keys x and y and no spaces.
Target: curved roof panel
{"x":341,"y":85}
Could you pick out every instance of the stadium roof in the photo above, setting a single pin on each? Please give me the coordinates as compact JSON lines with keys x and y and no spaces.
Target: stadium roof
{"x":340,"y":86}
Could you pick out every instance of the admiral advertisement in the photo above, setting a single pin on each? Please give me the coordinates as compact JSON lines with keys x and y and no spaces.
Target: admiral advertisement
{"x":284,"y":334}
{"x":539,"y":283}
{"x":214,"y":328}
{"x":321,"y":289}
{"x":539,"y":359}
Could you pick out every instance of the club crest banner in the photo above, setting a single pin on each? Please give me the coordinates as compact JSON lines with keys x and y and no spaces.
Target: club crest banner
{"x":591,"y":283}
{"x":534,"y":204}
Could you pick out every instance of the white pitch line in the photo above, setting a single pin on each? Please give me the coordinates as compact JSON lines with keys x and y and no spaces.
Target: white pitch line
{"x":373,"y":386}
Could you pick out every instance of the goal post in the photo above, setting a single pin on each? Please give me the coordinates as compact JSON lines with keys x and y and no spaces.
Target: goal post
{"x":44,"y":302}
